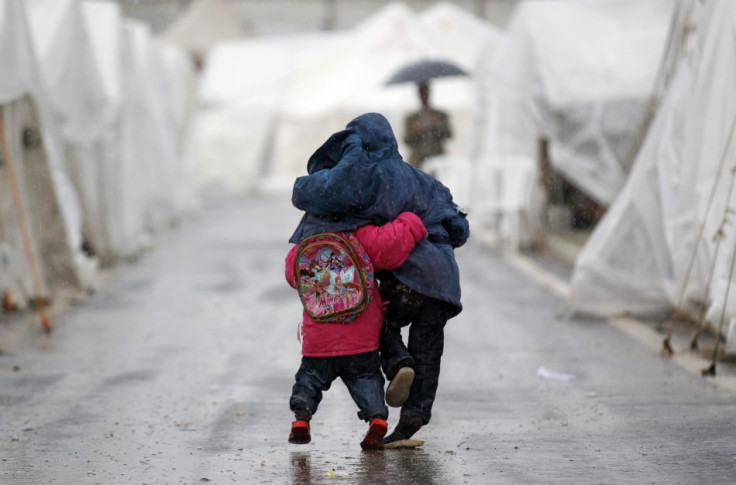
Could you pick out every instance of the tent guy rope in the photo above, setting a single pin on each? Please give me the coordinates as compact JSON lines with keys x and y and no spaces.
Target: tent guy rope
{"x":667,"y":342}
{"x":711,"y":371}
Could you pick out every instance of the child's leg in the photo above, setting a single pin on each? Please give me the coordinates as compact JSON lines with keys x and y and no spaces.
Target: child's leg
{"x":394,"y":354}
{"x":399,"y":310}
{"x":315,"y":375}
{"x":362,"y":376}
{"x":426,"y":344}
{"x":397,"y":361}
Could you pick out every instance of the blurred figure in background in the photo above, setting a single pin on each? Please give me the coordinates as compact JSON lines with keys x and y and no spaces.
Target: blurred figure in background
{"x":426,"y":130}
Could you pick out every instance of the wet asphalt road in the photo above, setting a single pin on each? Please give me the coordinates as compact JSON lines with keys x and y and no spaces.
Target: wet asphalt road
{"x":179,"y":371}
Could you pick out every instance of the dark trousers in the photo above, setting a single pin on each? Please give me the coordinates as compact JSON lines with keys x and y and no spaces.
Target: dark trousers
{"x":426,"y":318}
{"x":361,"y":374}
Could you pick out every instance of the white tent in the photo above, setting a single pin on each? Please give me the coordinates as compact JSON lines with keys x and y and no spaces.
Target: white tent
{"x":68,"y":67}
{"x":240,"y":92}
{"x":181,"y":79}
{"x":267,"y":104}
{"x":205,"y":24}
{"x":343,"y":80}
{"x":348,"y":78}
{"x":458,"y":35}
{"x":120,"y":191}
{"x":658,"y":244}
{"x":149,"y":135}
{"x":579,"y":73}
{"x":71,"y":77}
{"x":40,"y":219}
{"x":93,"y":114}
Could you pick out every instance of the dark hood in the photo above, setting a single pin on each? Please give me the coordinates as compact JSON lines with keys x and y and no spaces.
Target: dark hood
{"x":377,"y":137}
{"x":330,"y":152}
{"x":371,"y":132}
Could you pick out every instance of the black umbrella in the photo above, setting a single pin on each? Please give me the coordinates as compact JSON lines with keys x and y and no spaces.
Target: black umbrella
{"x":423,"y":71}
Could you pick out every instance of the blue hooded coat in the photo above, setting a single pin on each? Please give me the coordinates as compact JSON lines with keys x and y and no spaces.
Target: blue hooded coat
{"x":358,"y":177}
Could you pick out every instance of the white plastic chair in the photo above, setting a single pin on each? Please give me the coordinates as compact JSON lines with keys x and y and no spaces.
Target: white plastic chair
{"x":455,"y":173}
{"x":503,"y":198}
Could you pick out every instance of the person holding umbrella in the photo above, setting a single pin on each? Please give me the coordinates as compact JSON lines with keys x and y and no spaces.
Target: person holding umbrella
{"x":426,"y":130}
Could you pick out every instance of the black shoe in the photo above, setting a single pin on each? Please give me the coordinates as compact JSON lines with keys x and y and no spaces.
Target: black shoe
{"x":405,"y":429}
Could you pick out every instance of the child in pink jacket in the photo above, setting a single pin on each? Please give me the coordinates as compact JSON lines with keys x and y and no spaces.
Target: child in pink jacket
{"x":349,"y":350}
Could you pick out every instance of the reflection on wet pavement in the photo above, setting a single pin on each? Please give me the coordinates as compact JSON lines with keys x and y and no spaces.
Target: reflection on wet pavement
{"x":369,"y":468}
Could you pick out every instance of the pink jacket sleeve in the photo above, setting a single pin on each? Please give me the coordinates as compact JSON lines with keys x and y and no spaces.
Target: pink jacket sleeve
{"x":289,"y":267}
{"x":389,"y":245}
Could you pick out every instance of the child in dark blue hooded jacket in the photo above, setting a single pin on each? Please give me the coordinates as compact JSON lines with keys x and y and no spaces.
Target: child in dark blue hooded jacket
{"x":358,"y":177}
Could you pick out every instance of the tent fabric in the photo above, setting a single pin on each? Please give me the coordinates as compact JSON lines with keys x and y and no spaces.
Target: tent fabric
{"x":92,"y":113}
{"x":119,"y":201}
{"x":238,"y":108}
{"x":203,"y":25}
{"x":18,"y":280}
{"x":357,"y":67}
{"x":16,"y":50}
{"x":655,"y":247}
{"x":50,"y":203}
{"x":149,"y":133}
{"x":458,"y":35}
{"x":82,"y":64}
{"x":256,"y":128}
{"x":139,"y":156}
{"x":579,"y":73}
{"x":68,"y":67}
{"x":103,"y":20}
{"x":71,"y":77}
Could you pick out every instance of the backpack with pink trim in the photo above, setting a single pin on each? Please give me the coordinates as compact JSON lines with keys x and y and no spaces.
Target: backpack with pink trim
{"x":334,"y":277}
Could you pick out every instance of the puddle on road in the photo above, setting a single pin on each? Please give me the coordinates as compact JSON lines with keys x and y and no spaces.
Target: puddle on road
{"x":367,"y":467}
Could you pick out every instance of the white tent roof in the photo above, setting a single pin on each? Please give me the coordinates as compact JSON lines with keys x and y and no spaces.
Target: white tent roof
{"x":675,"y":199}
{"x":274,"y":100}
{"x":69,"y":68}
{"x":16,"y":50}
{"x":348,"y":78}
{"x":458,"y":35}
{"x":103,"y":20}
{"x":254,"y":70}
{"x":241,"y":89}
{"x":594,"y":50}
{"x":579,"y":73}
{"x":204,"y":24}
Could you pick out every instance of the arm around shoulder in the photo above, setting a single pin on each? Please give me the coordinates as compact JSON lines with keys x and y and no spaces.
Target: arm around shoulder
{"x":413,"y":224}
{"x":389,"y":245}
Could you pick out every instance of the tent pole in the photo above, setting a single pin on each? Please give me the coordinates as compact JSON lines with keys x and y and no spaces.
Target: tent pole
{"x":23,"y":226}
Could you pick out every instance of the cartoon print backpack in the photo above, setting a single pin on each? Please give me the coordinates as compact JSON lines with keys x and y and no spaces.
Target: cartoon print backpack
{"x":334,"y":277}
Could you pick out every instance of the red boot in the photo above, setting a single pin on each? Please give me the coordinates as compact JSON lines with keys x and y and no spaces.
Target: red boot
{"x":300,"y":433}
{"x":374,"y":437}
